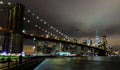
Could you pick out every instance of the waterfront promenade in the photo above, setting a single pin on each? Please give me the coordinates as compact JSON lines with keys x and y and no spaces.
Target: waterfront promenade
{"x":17,"y":64}
{"x":80,"y":63}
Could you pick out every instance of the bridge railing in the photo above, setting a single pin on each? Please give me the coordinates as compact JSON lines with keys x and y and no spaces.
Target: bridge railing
{"x":16,"y":63}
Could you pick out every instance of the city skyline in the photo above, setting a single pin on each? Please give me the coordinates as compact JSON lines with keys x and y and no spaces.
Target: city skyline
{"x":80,"y":18}
{"x":59,"y":34}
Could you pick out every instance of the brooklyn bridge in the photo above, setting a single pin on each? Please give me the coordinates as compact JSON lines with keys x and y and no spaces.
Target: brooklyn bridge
{"x":19,"y":24}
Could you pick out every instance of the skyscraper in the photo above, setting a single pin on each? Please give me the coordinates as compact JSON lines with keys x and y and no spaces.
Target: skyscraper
{"x":96,"y":39}
{"x":89,"y":42}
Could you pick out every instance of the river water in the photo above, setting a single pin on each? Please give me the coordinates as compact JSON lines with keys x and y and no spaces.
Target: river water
{"x":80,"y":63}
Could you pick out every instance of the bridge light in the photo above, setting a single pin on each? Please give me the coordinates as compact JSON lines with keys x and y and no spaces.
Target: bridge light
{"x":33,"y":14}
{"x":23,"y":31}
{"x":56,"y":30}
{"x":56,"y":37}
{"x":41,"y":20}
{"x":1,"y":28}
{"x":39,"y":27}
{"x":66,"y":36}
{"x":34,"y":38}
{"x":64,"y":39}
{"x":28,"y":21}
{"x":36,"y":25}
{"x":37,"y":17}
{"x":28,"y":10}
{"x":42,"y":29}
{"x":31,"y":34}
{"x":51,"y":27}
{"x":11,"y":31}
{"x":47,"y":36}
{"x":48,"y":32}
{"x":59,"y":32}
{"x":9,"y":3}
{"x":45,"y":30}
{"x":42,"y":35}
{"x":1,"y":2}
{"x":24,"y":18}
{"x":51,"y":34}
{"x":45,"y":22}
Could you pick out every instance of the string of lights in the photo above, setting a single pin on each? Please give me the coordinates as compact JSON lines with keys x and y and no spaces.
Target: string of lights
{"x":5,"y":3}
{"x":38,"y":24}
{"x":40,"y":20}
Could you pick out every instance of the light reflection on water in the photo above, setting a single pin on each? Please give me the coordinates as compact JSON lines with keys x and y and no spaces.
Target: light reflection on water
{"x":80,"y":63}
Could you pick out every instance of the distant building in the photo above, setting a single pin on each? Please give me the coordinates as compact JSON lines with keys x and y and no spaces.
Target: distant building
{"x":84,"y":42}
{"x":110,"y":47}
{"x":89,"y":42}
{"x":96,"y":39}
{"x":104,"y":42}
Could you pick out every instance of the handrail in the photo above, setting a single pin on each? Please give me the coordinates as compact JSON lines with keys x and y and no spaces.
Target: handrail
{"x":11,"y":63}
{"x":16,"y":62}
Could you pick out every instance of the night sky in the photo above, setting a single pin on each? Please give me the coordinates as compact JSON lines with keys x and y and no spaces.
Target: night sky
{"x":80,"y":18}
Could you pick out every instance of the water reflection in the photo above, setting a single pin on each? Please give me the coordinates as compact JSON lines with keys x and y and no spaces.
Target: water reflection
{"x":80,"y":63}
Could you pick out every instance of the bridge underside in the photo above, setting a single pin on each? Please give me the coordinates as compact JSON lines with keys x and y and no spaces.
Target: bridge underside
{"x":102,"y":53}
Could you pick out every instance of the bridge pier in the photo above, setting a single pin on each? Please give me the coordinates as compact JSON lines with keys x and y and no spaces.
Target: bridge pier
{"x":13,"y":40}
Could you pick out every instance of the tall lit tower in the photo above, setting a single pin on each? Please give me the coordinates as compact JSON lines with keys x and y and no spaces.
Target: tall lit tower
{"x":96,"y":39}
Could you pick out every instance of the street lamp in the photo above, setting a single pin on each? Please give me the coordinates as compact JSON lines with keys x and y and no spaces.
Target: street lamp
{"x":1,"y":28}
{"x":1,"y":2}
{"x":9,"y":3}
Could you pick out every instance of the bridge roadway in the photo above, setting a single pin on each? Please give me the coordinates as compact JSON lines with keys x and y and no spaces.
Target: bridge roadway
{"x":31,"y":36}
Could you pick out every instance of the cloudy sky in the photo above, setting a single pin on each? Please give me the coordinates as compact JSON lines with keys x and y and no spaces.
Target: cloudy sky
{"x":80,"y":18}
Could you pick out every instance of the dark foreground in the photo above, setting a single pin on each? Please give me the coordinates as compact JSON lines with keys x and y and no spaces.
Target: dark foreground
{"x":80,"y":63}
